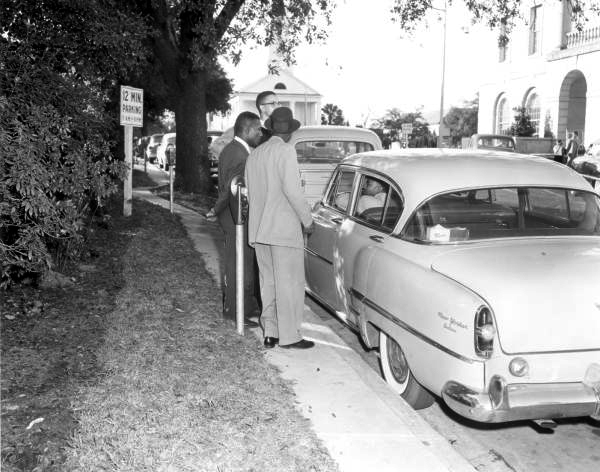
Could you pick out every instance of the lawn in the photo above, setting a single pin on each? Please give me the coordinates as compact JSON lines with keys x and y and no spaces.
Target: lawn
{"x":132,"y":368}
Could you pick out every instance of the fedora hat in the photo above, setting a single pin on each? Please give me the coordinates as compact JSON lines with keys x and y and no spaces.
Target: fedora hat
{"x":282,"y":121}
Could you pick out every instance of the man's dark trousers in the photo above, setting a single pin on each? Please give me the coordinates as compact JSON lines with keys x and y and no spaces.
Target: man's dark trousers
{"x":228,"y":280}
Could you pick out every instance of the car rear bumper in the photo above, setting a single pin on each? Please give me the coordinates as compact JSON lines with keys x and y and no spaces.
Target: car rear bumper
{"x":509,"y":402}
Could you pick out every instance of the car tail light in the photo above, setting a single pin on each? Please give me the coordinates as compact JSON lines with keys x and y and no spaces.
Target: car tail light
{"x":485,"y":332}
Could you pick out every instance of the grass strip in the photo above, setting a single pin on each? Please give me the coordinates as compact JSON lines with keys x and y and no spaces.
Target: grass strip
{"x":179,"y":390}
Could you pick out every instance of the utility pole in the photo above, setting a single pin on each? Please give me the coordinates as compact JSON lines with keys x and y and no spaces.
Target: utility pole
{"x":440,"y":140}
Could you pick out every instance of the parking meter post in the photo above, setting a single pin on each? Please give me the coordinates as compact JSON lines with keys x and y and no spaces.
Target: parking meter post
{"x":236,"y":208}
{"x":170,"y":184}
{"x":239,"y":278}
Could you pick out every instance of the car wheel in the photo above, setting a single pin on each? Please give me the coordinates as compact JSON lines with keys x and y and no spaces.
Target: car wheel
{"x":398,"y":375}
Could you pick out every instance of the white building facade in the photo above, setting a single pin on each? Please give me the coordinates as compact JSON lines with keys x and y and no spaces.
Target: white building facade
{"x":550,"y":69}
{"x":301,"y":98}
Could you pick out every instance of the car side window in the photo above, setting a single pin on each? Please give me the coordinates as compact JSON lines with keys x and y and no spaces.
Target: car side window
{"x":393,"y":210}
{"x":341,"y":190}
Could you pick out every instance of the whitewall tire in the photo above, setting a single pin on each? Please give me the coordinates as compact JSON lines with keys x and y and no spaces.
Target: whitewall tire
{"x":397,"y":374}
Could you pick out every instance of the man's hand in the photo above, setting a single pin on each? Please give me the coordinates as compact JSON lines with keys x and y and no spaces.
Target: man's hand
{"x":309,"y":229}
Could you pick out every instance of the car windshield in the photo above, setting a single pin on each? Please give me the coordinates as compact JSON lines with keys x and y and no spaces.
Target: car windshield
{"x":508,"y":212}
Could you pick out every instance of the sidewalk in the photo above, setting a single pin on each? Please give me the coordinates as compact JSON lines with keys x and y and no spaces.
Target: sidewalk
{"x":364,"y":425}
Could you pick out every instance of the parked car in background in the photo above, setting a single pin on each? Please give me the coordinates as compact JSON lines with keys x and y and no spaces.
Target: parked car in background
{"x":170,"y":154}
{"x":153,"y":143}
{"x":476,"y":273}
{"x":161,"y":157}
{"x":320,"y":148}
{"x":588,"y":164}
{"x":495,"y":142}
{"x":213,"y":158}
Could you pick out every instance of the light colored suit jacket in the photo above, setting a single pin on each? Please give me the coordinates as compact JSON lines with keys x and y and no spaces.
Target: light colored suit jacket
{"x":277,"y":207}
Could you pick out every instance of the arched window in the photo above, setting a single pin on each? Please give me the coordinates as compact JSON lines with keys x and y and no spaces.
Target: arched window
{"x":532,"y":106}
{"x":280,"y":86}
{"x":503,"y":116}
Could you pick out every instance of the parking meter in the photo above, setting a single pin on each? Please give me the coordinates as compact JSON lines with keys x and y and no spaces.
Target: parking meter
{"x":238,"y":206}
{"x":238,"y":203}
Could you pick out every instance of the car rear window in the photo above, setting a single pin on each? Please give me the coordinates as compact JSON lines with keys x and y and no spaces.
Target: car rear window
{"x":496,"y":142}
{"x":328,"y":152}
{"x":505,"y":213}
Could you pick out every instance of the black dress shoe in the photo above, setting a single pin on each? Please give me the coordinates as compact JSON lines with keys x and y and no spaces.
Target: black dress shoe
{"x":250,"y":323}
{"x":271,"y":342}
{"x":302,"y":344}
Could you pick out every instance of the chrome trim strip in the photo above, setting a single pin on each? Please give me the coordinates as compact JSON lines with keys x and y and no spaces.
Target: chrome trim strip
{"x":386,"y":314}
{"x":318,"y":256}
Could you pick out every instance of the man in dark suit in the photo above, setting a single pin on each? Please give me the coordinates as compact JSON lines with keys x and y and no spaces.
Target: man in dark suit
{"x":232,"y":162}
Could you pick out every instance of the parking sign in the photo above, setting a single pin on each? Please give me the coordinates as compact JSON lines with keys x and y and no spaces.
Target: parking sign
{"x":132,"y":106}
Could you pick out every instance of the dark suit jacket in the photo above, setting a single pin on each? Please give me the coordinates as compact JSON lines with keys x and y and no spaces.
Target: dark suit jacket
{"x":232,"y":162}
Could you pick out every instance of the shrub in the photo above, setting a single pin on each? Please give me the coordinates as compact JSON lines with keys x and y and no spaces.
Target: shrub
{"x":55,"y":164}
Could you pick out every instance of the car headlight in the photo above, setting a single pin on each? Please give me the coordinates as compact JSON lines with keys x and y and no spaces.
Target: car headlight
{"x":484,"y":332}
{"x":518,"y":367}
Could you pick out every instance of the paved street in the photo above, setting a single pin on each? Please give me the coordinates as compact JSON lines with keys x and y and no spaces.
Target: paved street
{"x":573,"y":446}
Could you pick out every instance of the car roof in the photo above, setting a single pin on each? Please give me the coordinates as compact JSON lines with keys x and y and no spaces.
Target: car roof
{"x":423,"y":172}
{"x":341,"y":133}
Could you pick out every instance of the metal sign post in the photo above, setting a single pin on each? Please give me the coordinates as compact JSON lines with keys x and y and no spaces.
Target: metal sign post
{"x":170,"y":184}
{"x":236,"y":206}
{"x":131,"y":114}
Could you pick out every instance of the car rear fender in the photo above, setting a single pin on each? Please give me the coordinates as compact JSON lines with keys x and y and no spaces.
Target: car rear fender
{"x":430,"y":315}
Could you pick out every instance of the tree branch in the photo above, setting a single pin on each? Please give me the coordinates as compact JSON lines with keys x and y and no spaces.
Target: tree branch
{"x":228,"y":13}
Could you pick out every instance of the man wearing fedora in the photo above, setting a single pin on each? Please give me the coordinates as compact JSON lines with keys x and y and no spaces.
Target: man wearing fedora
{"x":278,"y":215}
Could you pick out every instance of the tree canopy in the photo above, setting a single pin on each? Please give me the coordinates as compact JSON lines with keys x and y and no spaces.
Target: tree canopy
{"x":462,"y":121}
{"x":499,"y":15}
{"x":393,"y":120}
{"x":186,"y":37}
{"x":332,"y":115}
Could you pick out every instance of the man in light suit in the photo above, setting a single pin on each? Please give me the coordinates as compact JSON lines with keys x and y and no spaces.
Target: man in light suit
{"x":232,"y":163}
{"x":278,"y":214}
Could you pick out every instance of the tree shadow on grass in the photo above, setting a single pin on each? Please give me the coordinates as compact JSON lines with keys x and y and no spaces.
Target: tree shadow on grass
{"x":49,"y":343}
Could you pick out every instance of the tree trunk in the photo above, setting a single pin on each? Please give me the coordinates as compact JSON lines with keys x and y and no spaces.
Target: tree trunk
{"x":192,"y":170}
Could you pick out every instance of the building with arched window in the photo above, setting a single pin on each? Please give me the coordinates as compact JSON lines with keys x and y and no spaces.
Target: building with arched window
{"x":551,"y":70}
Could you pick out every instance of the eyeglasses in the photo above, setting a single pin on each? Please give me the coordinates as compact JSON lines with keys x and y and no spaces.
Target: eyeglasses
{"x":269,"y":103}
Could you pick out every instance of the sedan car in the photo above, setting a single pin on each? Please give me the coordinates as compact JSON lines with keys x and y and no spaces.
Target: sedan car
{"x":320,"y":148}
{"x":153,"y":143}
{"x":475,"y":273}
{"x":161,"y":154}
{"x":588,"y":164}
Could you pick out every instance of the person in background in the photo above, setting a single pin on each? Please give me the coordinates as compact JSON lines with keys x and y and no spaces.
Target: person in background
{"x":232,"y":163}
{"x":266,"y":102}
{"x":572,"y":147}
{"x":559,"y":152}
{"x":278,"y":213}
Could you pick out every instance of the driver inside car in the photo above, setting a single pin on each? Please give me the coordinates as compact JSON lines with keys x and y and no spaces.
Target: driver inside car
{"x":373,"y":195}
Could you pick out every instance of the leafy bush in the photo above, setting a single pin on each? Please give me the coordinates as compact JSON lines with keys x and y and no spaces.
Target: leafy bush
{"x":55,"y":164}
{"x":522,"y":126}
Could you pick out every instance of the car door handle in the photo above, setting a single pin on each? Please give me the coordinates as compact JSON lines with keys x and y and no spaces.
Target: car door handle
{"x":337,"y":220}
{"x":377,"y":239}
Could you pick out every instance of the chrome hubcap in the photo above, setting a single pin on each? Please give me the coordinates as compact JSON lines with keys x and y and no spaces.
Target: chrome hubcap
{"x":397,"y":361}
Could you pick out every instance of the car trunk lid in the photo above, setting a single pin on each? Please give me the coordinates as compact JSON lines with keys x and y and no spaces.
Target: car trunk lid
{"x":545,"y":293}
